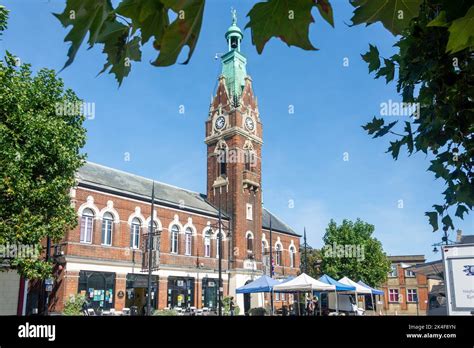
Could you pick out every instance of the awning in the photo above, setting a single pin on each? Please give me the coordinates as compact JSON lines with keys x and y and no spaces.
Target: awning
{"x":303,"y":282}
{"x":262,"y":284}
{"x":339,"y":286}
{"x":358,"y":288}
{"x":374,"y":291}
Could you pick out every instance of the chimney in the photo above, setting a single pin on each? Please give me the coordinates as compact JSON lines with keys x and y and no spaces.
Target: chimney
{"x":458,"y":236}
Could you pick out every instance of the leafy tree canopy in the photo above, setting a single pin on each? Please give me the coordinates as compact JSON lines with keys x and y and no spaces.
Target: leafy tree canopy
{"x":39,"y":156}
{"x":434,"y":71}
{"x":350,"y":250}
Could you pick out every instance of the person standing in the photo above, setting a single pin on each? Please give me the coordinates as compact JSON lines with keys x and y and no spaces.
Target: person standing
{"x":315,"y":305}
{"x":231,"y":306}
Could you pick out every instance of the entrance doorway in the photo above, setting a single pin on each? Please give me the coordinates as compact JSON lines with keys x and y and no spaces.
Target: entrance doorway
{"x":137,"y":293}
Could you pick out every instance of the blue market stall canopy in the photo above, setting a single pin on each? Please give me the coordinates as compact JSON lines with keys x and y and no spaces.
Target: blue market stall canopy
{"x":339,"y":286}
{"x":262,"y":284}
{"x":374,"y":291}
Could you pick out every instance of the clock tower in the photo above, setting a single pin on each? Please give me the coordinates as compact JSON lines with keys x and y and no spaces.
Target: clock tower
{"x":234,"y":141}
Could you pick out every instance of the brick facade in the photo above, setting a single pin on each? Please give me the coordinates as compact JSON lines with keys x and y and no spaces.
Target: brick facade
{"x":233,"y":185}
{"x":405,"y":283}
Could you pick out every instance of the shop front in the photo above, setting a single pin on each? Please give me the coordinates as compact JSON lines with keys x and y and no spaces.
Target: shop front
{"x":209,"y":293}
{"x":180,"y":292}
{"x":99,"y":288}
{"x":137,"y":292}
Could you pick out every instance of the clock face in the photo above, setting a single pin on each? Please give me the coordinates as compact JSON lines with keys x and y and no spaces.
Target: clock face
{"x":220,"y":122}
{"x":249,"y":123}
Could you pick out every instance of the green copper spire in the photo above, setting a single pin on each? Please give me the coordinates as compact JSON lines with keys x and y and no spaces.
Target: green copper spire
{"x":234,"y":62}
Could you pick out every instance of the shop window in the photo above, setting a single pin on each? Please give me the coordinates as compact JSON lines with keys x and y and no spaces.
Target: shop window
{"x":98,"y":287}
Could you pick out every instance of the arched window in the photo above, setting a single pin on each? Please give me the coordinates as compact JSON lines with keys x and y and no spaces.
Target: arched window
{"x":87,"y":225}
{"x":107,"y":228}
{"x":264,"y":247}
{"x":222,"y":158}
{"x":292,"y":256}
{"x":135,"y":233}
{"x":189,"y":241}
{"x":174,"y":239}
{"x":207,"y":244}
{"x":249,"y":242}
{"x":154,"y":240}
{"x":278,"y":255}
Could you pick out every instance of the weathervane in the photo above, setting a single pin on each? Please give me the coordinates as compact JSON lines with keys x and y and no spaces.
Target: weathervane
{"x":234,"y":15}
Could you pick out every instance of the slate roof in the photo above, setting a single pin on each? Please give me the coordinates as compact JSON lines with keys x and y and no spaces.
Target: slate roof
{"x":97,"y":176}
{"x":469,"y":239}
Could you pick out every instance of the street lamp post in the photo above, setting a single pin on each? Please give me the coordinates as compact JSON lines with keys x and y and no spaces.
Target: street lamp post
{"x":150,"y":249}
{"x":219,"y":241}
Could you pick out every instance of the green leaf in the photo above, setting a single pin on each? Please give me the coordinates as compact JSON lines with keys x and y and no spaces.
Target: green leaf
{"x":448,"y":222}
{"x":85,"y":16}
{"x":119,"y":50}
{"x":461,"y":210}
{"x":395,"y":15}
{"x":409,"y":137}
{"x":388,"y":70}
{"x":150,"y":17}
{"x":439,"y":169}
{"x":183,"y":31}
{"x":372,"y":57}
{"x":374,"y":126}
{"x":439,"y":209}
{"x":325,"y":10}
{"x":433,"y":219}
{"x":395,"y":148}
{"x":461,"y":33}
{"x":439,"y":21}
{"x":288,"y":20}
{"x":385,"y":129}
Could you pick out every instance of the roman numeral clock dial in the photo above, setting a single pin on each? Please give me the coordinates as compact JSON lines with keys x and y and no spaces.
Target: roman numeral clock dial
{"x":219,"y":123}
{"x":249,"y":123}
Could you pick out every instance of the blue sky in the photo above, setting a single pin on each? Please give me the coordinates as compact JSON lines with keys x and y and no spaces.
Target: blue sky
{"x":302,"y":153}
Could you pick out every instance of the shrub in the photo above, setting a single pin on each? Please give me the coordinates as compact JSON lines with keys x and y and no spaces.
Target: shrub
{"x":73,"y":305}
{"x":165,"y":312}
{"x":226,"y":306}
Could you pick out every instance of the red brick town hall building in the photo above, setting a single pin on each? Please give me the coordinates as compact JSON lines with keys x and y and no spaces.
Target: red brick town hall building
{"x":106,"y":256}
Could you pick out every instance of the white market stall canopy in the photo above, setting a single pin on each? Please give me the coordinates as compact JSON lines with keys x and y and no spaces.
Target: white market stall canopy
{"x":303,"y":282}
{"x":358,"y":288}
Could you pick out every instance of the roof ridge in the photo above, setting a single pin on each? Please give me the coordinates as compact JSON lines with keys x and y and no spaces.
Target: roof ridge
{"x":143,"y":177}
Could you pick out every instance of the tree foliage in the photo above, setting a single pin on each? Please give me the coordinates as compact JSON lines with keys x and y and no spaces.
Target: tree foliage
{"x":39,"y":156}
{"x":124,"y":29}
{"x":350,"y":250}
{"x":435,"y":76}
{"x":311,"y":262}
{"x":3,"y":18}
